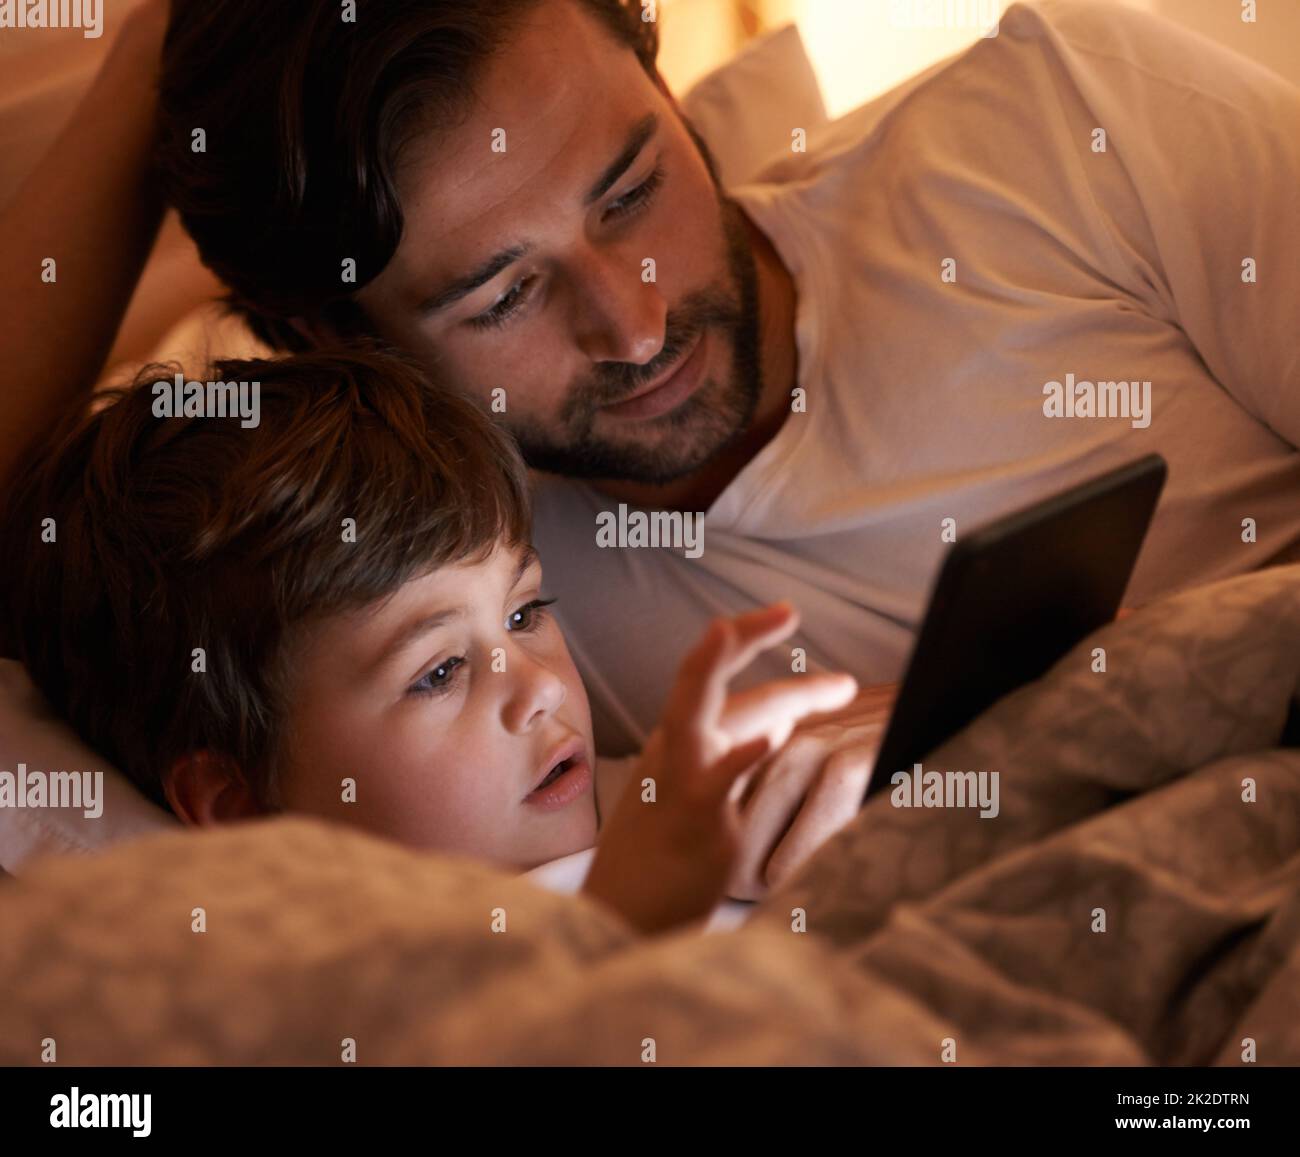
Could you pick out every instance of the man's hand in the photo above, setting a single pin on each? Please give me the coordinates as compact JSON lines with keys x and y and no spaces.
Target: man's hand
{"x":806,"y":792}
{"x":666,"y":861}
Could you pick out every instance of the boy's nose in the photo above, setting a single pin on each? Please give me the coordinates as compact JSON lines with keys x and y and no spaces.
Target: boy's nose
{"x":535,"y":695}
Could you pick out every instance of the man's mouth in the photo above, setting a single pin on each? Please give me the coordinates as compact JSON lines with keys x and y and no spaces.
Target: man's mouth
{"x":567,"y":776}
{"x":669,"y":390}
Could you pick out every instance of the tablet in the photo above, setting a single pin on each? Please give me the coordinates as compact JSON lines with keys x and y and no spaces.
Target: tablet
{"x":1012,"y":598}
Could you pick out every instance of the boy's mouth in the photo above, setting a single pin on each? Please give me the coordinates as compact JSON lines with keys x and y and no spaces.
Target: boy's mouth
{"x":555,"y":773}
{"x":567,"y":776}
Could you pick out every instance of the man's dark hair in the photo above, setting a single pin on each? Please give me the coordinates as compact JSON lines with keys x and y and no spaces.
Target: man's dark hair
{"x":303,"y":116}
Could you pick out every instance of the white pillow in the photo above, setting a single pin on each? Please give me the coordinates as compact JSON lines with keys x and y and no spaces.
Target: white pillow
{"x":744,"y":110}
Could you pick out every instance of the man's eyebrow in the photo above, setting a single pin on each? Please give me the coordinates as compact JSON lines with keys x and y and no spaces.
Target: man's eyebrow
{"x":641,"y":132}
{"x":463,"y":286}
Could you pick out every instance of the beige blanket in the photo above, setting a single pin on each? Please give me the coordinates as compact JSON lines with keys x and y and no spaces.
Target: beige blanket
{"x":1152,"y":796}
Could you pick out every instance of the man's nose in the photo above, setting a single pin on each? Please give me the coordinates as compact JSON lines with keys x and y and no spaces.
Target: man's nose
{"x":621,"y":317}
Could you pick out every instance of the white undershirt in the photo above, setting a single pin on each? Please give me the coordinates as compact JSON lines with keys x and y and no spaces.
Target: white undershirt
{"x":925,"y":397}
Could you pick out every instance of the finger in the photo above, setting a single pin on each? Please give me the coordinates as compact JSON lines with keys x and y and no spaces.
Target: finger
{"x":778,"y":616}
{"x":723,"y":774}
{"x":690,"y":701}
{"x":699,"y":694}
{"x":773,"y":709}
{"x":872,"y":704}
{"x":772,"y":808}
{"x":833,"y":803}
{"x":748,"y":636}
{"x":755,"y":632}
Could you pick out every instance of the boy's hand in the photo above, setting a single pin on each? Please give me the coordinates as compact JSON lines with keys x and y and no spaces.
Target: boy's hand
{"x":807,"y":791}
{"x":667,"y":862}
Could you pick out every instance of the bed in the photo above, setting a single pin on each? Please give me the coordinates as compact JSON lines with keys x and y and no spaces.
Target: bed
{"x":1136,"y":902}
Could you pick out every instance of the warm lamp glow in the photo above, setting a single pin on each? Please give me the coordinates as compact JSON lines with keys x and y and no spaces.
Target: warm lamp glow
{"x":862,"y":48}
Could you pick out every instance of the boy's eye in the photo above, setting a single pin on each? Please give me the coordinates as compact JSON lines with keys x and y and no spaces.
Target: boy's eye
{"x":441,"y":679}
{"x":445,"y":675}
{"x":530,"y":615}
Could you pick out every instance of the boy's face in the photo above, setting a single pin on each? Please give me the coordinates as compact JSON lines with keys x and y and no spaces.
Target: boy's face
{"x":566,"y":242}
{"x":447,"y":705}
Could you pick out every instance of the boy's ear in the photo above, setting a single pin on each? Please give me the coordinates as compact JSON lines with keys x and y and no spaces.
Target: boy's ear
{"x":205,"y":788}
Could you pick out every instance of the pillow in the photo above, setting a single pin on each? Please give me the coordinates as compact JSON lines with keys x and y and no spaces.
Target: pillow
{"x":743,"y":110}
{"x":746,"y":109}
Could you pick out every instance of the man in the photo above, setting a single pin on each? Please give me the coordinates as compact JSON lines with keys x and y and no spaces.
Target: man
{"x":1074,"y":244}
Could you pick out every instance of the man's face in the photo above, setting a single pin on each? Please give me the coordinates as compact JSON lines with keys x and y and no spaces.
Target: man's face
{"x":565,"y":243}
{"x":450,"y":706}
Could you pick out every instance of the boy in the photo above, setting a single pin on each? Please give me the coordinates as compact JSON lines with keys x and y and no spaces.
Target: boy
{"x":336,"y":611}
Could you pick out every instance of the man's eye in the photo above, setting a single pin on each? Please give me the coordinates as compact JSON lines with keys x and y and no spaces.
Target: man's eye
{"x":530,"y":616}
{"x":504,"y":309}
{"x":638,"y":198}
{"x":439,"y":680}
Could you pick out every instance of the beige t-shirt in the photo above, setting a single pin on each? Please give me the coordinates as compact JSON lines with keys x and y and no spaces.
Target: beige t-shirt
{"x":957,"y":246}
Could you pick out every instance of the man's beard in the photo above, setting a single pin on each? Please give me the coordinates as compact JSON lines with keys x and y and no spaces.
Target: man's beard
{"x":685,"y":439}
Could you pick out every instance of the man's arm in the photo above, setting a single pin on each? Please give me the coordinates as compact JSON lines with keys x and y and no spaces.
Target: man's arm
{"x":90,"y":205}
